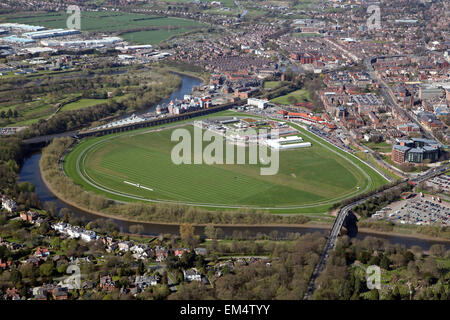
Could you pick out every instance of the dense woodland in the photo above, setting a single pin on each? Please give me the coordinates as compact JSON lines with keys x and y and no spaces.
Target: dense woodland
{"x":405,"y":273}
{"x":286,"y":277}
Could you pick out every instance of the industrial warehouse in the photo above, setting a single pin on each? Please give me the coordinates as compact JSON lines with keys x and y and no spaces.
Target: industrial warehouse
{"x":22,"y":34}
{"x":416,"y":150}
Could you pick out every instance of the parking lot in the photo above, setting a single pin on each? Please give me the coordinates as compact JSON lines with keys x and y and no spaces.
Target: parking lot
{"x":440,"y":184}
{"x":417,"y":210}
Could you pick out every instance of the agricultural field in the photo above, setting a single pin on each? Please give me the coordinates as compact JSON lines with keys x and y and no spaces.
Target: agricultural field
{"x":138,"y":28}
{"x":293,"y":97}
{"x":137,"y":166}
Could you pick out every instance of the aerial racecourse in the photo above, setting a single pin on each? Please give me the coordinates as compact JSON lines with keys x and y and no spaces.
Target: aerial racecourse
{"x":137,"y":166}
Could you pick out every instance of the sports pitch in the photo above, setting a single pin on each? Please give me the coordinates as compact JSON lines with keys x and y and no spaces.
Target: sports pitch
{"x":309,"y":180}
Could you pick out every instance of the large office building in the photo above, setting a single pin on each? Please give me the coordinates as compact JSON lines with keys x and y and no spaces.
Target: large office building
{"x":416,"y":150}
{"x":261,"y":104}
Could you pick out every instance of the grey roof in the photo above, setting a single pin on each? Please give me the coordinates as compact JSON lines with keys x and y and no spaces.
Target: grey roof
{"x":401,"y":148}
{"x":428,"y":148}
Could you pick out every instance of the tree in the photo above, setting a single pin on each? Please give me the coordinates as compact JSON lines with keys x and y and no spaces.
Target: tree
{"x":46,"y":269}
{"x":180,"y":276}
{"x":161,"y":292}
{"x":137,"y":228}
{"x":292,"y":99}
{"x":437,"y":250}
{"x":141,"y":268}
{"x":210,"y":231}
{"x":396,"y":294}
{"x":187,"y":234}
{"x":374,"y":294}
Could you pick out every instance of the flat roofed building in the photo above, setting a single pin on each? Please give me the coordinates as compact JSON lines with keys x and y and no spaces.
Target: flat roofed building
{"x":261,"y":104}
{"x":50,"y":33}
{"x":20,"y":26}
{"x":416,"y":150}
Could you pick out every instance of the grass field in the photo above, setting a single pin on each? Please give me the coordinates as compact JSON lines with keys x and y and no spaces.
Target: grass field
{"x":132,"y":25}
{"x":383,"y":169}
{"x":149,"y":37}
{"x":82,"y":103}
{"x":309,"y":180}
{"x":379,"y":147}
{"x":273,"y":84}
{"x":297,"y":96}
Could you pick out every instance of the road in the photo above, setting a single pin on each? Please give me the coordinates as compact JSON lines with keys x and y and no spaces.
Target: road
{"x":390,"y":98}
{"x":337,"y":226}
{"x":346,"y":52}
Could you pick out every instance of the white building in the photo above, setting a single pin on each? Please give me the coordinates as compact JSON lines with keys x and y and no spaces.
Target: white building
{"x":9,"y":204}
{"x":75,"y":232}
{"x":192,"y":275}
{"x":87,"y":235}
{"x":291,"y":142}
{"x":90,"y":43}
{"x":261,"y":104}
{"x":50,"y":33}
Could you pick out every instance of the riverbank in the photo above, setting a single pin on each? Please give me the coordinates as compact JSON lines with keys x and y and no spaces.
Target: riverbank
{"x":420,"y":236}
{"x":314,"y":225}
{"x":204,"y":77}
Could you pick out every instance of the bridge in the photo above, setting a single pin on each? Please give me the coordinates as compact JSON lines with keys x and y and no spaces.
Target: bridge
{"x":44,"y":140}
{"x":339,"y":221}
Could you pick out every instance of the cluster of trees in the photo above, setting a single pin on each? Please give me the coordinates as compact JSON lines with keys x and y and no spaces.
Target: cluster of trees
{"x":416,"y":275}
{"x":400,"y":184}
{"x":368,"y":208}
{"x":287,"y":276}
{"x":9,"y":114}
{"x":314,"y":84}
{"x":64,"y":187}
{"x":288,"y":88}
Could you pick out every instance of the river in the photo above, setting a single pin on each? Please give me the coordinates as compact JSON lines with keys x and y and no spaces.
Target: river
{"x":30,"y":172}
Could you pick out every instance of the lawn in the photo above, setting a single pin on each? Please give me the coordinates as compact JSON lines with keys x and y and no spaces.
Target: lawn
{"x":383,"y":147}
{"x":293,"y":97}
{"x":149,"y":37}
{"x":383,"y":169}
{"x":143,"y":157}
{"x":272,"y":84}
{"x":82,"y":103}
